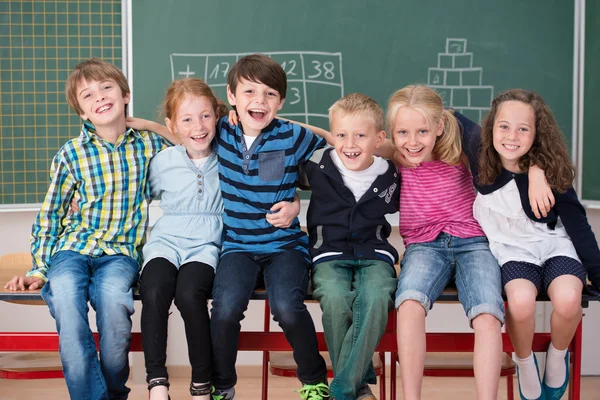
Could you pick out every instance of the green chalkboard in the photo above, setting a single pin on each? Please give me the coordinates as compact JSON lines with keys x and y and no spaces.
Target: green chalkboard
{"x":468,"y":49}
{"x":591,"y":138}
{"x":40,"y":43}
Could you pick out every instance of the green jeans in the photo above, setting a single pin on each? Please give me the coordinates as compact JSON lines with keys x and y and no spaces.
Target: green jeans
{"x":355,"y":297}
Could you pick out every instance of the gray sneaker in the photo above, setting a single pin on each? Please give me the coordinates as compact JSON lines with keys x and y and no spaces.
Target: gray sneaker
{"x":228,"y":394}
{"x":364,"y":393}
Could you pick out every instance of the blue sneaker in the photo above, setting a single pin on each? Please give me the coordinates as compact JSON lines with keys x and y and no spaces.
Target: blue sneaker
{"x":557,"y":393}
{"x":543,"y":395}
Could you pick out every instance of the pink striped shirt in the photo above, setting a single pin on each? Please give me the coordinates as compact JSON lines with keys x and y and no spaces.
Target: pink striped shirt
{"x":436,"y":197}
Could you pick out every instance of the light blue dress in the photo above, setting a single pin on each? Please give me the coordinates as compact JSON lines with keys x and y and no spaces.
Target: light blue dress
{"x":192,"y":223}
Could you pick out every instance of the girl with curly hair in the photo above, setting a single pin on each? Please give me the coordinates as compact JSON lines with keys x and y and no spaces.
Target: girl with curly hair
{"x":551,"y":254}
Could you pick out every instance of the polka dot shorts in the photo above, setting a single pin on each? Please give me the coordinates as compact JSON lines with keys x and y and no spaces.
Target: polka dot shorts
{"x":542,"y":276}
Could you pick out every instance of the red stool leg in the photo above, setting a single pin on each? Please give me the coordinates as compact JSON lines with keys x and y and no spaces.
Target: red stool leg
{"x":575,"y":381}
{"x":382,"y":377}
{"x":393,"y":375}
{"x":265,"y":363}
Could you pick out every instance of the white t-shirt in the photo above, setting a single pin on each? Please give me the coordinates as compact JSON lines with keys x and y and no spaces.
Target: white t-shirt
{"x":199,"y":162}
{"x":360,"y":181}
{"x":249,"y":140}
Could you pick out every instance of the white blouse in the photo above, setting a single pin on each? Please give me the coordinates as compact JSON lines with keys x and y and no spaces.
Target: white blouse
{"x":513,"y":236}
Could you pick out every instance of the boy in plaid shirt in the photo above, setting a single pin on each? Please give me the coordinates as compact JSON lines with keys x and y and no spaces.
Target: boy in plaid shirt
{"x":93,"y":255}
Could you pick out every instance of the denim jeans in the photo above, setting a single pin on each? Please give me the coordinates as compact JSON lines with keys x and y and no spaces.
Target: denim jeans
{"x":355,"y":296}
{"x":426,"y":269}
{"x":286,"y":279}
{"x":107,"y":283}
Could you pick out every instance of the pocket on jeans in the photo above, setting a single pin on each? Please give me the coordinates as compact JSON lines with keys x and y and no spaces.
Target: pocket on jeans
{"x":271,"y":165}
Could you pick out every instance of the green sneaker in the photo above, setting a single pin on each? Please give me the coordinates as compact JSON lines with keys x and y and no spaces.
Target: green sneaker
{"x":223,"y":395}
{"x":320,"y":391}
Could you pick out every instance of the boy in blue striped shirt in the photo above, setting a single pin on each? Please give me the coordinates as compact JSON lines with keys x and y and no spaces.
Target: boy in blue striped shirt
{"x":258,"y":168}
{"x":93,"y":254}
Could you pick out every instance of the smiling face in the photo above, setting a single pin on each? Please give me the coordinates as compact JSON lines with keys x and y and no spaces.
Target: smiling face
{"x":355,"y":139}
{"x":514,"y":132}
{"x":256,"y":105}
{"x":102,"y":102}
{"x":414,"y":136}
{"x":195,"y":123}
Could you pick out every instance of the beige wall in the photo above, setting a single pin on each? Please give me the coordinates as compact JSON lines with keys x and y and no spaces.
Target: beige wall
{"x":14,"y":237}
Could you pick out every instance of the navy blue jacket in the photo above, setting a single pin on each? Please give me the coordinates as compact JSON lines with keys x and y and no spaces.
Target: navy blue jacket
{"x":338,"y":223}
{"x":567,"y":205}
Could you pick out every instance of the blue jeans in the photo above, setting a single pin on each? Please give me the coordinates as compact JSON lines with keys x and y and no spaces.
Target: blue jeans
{"x":355,"y":296}
{"x":427,"y":268}
{"x":107,"y":283}
{"x":286,"y":280}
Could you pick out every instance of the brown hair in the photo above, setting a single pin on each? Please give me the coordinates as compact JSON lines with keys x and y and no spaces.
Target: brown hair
{"x":428,"y":102}
{"x":194,"y":87}
{"x":258,"y":68}
{"x":548,"y":150}
{"x":359,"y":104}
{"x":96,"y":70}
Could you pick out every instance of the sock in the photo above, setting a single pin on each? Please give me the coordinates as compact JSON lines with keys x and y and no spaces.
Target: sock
{"x":556,"y":369}
{"x":529,"y":380}
{"x":203,"y":397}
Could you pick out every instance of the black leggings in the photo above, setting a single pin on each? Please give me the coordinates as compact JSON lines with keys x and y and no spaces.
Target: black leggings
{"x":190,"y":286}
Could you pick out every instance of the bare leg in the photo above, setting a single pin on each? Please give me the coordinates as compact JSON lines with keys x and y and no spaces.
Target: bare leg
{"x":411,"y":347}
{"x":487,"y":357}
{"x":520,"y":315}
{"x":565,"y":294}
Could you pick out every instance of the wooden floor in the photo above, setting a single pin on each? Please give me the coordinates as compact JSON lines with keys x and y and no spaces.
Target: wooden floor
{"x":249,"y":387}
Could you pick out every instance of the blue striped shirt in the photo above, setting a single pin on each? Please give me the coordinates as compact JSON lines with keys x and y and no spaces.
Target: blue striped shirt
{"x":254,"y":179}
{"x":108,"y":182}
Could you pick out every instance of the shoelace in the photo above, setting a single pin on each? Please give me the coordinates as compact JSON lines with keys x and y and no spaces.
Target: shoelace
{"x":319,"y":391}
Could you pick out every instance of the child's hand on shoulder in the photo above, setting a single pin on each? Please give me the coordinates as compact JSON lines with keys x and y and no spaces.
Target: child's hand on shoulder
{"x":283,"y":214}
{"x":233,"y":118}
{"x":139,"y":124}
{"x":540,"y":193}
{"x":24,"y":283}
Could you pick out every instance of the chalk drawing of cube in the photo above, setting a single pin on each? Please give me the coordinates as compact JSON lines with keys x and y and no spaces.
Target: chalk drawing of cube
{"x":446,"y":95}
{"x":456,"y":46}
{"x":481,"y":96}
{"x":436,"y":76}
{"x":445,"y":61}
{"x":471,"y":77}
{"x":460,"y":97}
{"x":463,"y":60}
{"x":452,"y":78}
